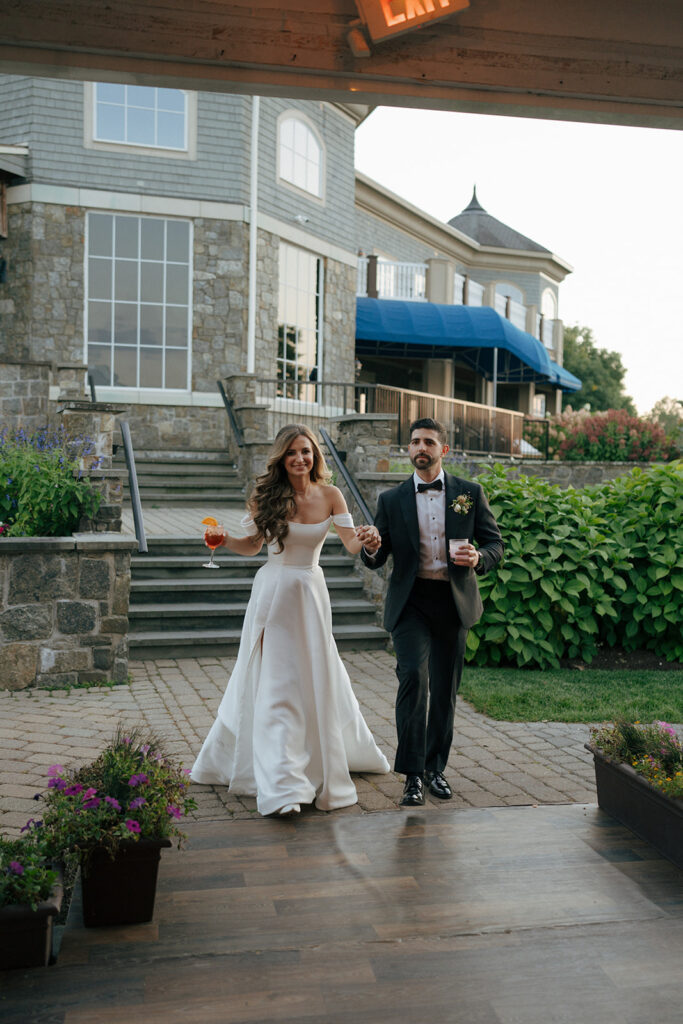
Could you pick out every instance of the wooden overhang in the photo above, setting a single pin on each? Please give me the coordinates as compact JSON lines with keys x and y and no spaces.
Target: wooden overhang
{"x":613,"y":61}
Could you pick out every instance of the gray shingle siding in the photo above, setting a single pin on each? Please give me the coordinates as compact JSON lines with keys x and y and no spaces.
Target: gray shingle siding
{"x":374,"y":235}
{"x":15,"y":109}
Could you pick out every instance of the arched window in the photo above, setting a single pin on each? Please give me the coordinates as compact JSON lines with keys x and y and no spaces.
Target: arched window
{"x":549,"y":305}
{"x":300,"y":155}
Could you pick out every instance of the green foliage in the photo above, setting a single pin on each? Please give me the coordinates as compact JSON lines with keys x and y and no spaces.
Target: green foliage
{"x":131,"y":791}
{"x":644,"y":513}
{"x":41,"y":490}
{"x":573,"y":695}
{"x":582,"y":567}
{"x":26,"y":874}
{"x":654,"y":751}
{"x":601,"y":372}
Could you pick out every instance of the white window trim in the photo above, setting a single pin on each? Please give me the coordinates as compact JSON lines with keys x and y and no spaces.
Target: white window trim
{"x":556,"y":304}
{"x":90,"y":142}
{"x":132,"y":390}
{"x":320,"y":308}
{"x":297,"y":115}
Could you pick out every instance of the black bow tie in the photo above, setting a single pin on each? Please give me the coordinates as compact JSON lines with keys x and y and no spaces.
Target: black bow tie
{"x":436,"y":485}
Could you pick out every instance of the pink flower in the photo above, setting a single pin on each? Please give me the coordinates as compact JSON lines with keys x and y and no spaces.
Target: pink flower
{"x":132,"y":826}
{"x":175,"y":812}
{"x":54,"y":770}
{"x":15,"y":867}
{"x":94,"y":802}
{"x":136,"y":780}
{"x":113,"y":801}
{"x":137,"y":802}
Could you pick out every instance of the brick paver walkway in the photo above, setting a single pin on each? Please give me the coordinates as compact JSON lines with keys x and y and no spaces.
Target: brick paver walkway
{"x":491,"y":764}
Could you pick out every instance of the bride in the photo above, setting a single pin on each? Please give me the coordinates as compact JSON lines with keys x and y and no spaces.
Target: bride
{"x":289,"y":729}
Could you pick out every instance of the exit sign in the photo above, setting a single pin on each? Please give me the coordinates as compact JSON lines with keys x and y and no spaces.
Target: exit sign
{"x":386,"y":18}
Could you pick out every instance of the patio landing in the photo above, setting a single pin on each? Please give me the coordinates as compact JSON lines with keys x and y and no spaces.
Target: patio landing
{"x":506,"y":915}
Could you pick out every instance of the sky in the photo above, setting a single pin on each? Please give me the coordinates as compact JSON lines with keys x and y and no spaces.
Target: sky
{"x":607,"y":199}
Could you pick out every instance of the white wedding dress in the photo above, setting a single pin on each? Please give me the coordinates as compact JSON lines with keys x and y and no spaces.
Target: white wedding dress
{"x":289,"y":729}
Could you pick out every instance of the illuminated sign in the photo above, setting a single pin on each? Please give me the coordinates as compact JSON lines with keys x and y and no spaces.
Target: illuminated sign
{"x":386,"y":18}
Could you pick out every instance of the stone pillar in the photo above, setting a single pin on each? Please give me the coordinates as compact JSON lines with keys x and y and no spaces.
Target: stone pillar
{"x":438,"y":377}
{"x":558,"y":341}
{"x":532,"y":320}
{"x":71,"y":379}
{"x":97,"y":421}
{"x":489,"y":296}
{"x":525,"y":398}
{"x":252,"y":417}
{"x":440,"y":280}
{"x":64,"y":609}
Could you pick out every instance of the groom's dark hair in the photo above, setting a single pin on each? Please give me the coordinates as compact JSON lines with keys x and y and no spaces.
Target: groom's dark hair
{"x":427,"y":423}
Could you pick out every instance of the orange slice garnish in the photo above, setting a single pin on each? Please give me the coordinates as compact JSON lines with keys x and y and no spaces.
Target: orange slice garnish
{"x":210,"y":521}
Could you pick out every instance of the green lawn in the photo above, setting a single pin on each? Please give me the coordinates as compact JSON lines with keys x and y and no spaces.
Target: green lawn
{"x":571,"y":695}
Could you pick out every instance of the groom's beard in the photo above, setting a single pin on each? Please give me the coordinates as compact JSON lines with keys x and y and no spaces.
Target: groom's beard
{"x":423,"y":462}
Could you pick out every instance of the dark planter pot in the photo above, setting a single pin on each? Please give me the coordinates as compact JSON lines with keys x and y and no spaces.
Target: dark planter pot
{"x":122,"y":890}
{"x":26,"y":935}
{"x":626,"y":796}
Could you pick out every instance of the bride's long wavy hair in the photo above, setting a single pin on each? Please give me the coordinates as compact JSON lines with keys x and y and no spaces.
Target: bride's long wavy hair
{"x":272,"y":503}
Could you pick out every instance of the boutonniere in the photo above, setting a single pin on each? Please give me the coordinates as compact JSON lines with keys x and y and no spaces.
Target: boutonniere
{"x":462,"y":504}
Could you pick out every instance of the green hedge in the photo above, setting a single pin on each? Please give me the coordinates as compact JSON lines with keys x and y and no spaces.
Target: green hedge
{"x":583,"y":567}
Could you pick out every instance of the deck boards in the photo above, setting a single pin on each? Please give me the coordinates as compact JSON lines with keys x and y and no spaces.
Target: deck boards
{"x":515,"y":915}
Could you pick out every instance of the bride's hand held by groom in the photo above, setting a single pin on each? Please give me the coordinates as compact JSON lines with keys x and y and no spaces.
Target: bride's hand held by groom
{"x":369,"y":538}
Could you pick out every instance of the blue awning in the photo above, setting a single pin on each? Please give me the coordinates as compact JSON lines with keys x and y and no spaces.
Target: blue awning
{"x":566,"y":380}
{"x":428,"y":329}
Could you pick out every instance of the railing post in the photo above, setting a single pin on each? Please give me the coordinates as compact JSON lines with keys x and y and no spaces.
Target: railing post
{"x":133,"y":487}
{"x":372,"y":278}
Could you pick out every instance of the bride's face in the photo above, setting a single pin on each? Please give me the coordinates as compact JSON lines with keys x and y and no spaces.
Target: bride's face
{"x":298,"y":459}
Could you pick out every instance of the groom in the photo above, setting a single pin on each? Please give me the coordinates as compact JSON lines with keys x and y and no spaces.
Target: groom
{"x":432,"y":600}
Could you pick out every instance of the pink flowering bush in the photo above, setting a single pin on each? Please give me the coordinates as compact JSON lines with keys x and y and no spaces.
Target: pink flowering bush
{"x":131,"y":791}
{"x":654,"y":751}
{"x":612,"y":436}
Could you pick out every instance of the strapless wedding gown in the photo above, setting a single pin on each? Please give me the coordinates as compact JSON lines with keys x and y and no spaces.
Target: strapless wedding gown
{"x":289,"y":729}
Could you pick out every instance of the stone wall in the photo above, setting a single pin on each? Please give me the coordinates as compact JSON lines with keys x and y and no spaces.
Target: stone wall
{"x":176,"y":427}
{"x":64,"y":610}
{"x":339,"y":359}
{"x":24,"y":395}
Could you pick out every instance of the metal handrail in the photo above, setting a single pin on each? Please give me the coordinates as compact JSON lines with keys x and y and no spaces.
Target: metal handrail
{"x":236,"y":429}
{"x":348,"y":479}
{"x":133,"y":487}
{"x":91,"y":385}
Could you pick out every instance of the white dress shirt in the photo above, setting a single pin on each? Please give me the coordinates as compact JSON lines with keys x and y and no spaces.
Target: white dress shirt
{"x":431,"y":519}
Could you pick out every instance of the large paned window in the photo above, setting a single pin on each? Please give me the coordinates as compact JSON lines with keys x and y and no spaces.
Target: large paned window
{"x":299,"y":322}
{"x":300,"y":156}
{"x":140,"y":115}
{"x":138,"y":301}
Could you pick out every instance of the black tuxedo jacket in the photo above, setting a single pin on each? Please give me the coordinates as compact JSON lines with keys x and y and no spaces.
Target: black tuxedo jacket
{"x":397,"y":523}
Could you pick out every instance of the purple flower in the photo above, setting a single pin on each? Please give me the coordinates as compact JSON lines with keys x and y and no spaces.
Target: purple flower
{"x":132,"y":826}
{"x":187,"y":771}
{"x":72,"y":790}
{"x":113,"y":801}
{"x":175,"y":812}
{"x":137,"y":802}
{"x":57,"y":784}
{"x":15,"y":867}
{"x":138,"y":780}
{"x":669,"y":729}
{"x":89,"y":793}
{"x":145,"y":748}
{"x":94,"y":802}
{"x":54,"y":770}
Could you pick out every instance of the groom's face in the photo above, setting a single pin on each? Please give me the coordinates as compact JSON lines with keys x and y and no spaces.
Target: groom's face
{"x":426,"y":451}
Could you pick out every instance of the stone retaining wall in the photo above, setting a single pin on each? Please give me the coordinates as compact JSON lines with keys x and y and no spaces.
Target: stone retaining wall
{"x":64,"y":610}
{"x":24,"y":394}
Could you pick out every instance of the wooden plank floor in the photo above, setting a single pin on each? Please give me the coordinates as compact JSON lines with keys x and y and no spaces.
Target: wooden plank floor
{"x":511,"y":915}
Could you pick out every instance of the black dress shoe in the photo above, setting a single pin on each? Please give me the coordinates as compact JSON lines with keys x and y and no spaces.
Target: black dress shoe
{"x":438,"y":786}
{"x":413,"y":792}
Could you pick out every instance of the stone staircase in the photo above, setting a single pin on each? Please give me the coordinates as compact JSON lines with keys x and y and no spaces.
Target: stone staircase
{"x":185,"y":478}
{"x":178,"y":609}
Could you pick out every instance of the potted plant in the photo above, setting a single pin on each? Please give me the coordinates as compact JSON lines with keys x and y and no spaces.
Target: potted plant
{"x":114,"y":816}
{"x":639,"y":779}
{"x":30,"y":899}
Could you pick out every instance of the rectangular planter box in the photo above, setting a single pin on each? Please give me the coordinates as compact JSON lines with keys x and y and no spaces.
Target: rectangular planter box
{"x":632,"y":801}
{"x":26,"y":935}
{"x":122,"y":890}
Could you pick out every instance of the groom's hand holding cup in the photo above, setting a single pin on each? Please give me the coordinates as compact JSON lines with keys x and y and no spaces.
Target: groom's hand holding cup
{"x":461,"y":552}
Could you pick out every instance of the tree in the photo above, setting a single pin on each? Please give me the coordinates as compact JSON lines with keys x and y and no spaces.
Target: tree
{"x":601,"y":372}
{"x":668,"y":412}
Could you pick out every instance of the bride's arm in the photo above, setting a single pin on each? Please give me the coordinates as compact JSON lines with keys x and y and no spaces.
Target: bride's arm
{"x":347,"y":534}
{"x":249,"y":545}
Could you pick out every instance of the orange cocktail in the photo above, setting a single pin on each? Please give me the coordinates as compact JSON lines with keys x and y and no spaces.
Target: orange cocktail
{"x":214,"y":535}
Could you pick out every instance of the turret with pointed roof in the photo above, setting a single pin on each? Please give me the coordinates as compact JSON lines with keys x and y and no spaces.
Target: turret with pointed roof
{"x":476,"y":223}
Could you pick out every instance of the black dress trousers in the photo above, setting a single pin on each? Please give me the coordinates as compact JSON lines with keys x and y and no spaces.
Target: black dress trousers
{"x":429,"y":642}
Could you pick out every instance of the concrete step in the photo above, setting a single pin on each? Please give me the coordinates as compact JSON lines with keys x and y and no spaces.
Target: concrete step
{"x":233,"y":497}
{"x":208,"y":589}
{"x":227,"y":615}
{"x":224,"y":643}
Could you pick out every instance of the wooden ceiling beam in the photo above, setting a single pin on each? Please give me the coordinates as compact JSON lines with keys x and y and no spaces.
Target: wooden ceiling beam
{"x":618,"y":61}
